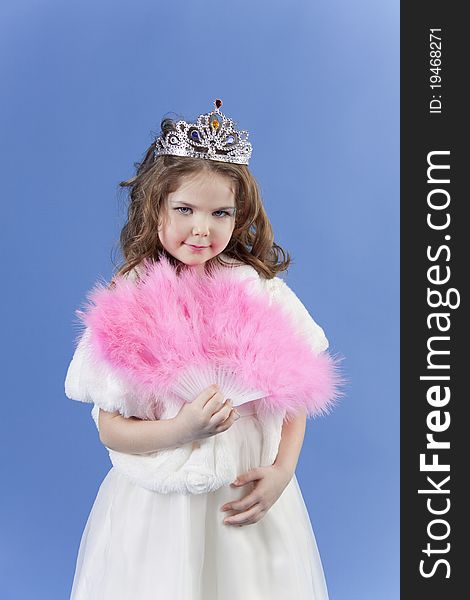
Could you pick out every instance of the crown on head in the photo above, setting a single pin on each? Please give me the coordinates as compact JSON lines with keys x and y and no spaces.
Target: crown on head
{"x":212,"y":137}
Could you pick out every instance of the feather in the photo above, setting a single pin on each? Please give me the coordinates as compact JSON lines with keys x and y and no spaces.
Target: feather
{"x":173,"y":333}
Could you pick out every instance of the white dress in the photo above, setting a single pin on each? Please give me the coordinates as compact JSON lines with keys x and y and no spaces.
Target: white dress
{"x":141,"y":544}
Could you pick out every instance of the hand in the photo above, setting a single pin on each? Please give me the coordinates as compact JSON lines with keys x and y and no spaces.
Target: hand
{"x":270,"y":483}
{"x":205,"y":416}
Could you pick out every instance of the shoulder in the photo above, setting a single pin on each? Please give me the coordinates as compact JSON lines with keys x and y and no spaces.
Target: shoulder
{"x":135,"y":273}
{"x":240,"y":269}
{"x":280,"y":292}
{"x":230,"y":262}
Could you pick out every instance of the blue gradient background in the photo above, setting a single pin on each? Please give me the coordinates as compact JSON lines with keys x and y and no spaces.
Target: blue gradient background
{"x":84,"y":85}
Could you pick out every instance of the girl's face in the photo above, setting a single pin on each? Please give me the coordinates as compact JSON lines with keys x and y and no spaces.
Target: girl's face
{"x":201,"y":212}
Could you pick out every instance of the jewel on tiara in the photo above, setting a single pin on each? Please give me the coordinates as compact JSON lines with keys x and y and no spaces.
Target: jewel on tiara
{"x":212,"y":137}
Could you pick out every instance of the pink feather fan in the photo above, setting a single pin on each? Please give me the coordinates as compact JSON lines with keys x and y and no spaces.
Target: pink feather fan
{"x":172,"y":333}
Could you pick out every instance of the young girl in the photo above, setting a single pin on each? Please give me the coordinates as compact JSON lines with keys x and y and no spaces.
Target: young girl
{"x":202,"y":501}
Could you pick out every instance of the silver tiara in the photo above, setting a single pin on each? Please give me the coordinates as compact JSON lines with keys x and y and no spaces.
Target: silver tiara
{"x":212,"y":137}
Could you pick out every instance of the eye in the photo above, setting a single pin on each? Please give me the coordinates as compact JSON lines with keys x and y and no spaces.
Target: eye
{"x":220,"y":214}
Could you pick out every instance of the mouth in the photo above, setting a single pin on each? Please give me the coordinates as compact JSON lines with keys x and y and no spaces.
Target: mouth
{"x":198,"y":247}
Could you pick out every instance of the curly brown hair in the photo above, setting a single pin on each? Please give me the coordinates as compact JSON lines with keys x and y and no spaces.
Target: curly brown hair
{"x":252,"y":240}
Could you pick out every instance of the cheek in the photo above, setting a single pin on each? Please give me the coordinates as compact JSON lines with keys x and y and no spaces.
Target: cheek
{"x":231,"y":227}
{"x":169,"y":229}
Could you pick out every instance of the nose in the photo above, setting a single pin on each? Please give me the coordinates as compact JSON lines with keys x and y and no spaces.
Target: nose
{"x":200,"y":227}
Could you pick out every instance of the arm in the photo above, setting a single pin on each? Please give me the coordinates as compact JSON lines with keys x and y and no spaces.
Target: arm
{"x":207,"y":415}
{"x":292,"y":437}
{"x":136,"y":436}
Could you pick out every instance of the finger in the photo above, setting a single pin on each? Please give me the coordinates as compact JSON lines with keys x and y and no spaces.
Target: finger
{"x":244,"y":517}
{"x":247,"y":477}
{"x":244,"y":503}
{"x":207,"y":394}
{"x":220,"y":421}
{"x":215,"y":405}
{"x":214,"y":402}
{"x":229,"y":421}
